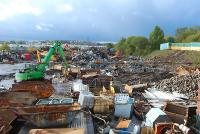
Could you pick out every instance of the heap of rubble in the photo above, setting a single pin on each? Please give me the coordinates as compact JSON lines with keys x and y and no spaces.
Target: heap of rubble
{"x":185,"y":84}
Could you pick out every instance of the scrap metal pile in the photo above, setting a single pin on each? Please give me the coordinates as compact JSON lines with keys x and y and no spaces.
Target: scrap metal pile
{"x":103,"y":94}
{"x":185,"y":84}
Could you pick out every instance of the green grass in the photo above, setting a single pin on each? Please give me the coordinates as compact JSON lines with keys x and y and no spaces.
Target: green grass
{"x":193,"y":56}
{"x":187,"y":56}
{"x":160,"y":53}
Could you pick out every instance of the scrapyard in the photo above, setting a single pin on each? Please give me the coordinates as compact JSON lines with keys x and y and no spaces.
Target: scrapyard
{"x":94,"y":90}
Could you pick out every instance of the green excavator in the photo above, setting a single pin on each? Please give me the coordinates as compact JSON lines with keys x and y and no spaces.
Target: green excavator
{"x":35,"y":72}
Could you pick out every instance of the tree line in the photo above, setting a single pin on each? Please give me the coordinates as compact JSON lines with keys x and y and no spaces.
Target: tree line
{"x":140,"y":45}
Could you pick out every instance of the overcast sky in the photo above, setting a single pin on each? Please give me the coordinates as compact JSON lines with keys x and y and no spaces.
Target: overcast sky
{"x":94,"y":20}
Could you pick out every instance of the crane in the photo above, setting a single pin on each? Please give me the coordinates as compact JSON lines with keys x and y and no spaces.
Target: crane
{"x":34,"y":72}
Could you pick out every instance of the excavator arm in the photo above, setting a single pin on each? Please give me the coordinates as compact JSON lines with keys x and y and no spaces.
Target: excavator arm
{"x":37,"y":72}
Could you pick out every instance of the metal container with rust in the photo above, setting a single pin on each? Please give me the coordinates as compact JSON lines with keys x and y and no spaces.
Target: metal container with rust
{"x":101,"y":105}
{"x":49,"y":115}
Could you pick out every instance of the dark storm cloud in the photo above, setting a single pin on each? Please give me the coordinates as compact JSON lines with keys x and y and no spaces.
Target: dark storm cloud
{"x":105,"y":20}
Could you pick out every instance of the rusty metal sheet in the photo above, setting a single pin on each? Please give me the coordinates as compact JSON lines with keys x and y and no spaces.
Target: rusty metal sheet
{"x":175,"y":108}
{"x":51,"y":119}
{"x":198,"y":102}
{"x":41,"y":89}
{"x":48,"y":115}
{"x":98,"y":81}
{"x":57,"y":131}
{"x":89,"y":75}
{"x":180,"y":112}
{"x":16,"y":98}
{"x":101,"y":105}
{"x":6,"y":117}
{"x":147,"y":130}
{"x":163,"y":127}
{"x":176,"y":118}
{"x":4,"y":127}
{"x":86,"y":71}
{"x":27,"y":110}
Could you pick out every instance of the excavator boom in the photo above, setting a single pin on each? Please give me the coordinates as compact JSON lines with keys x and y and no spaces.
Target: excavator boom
{"x":33,"y":72}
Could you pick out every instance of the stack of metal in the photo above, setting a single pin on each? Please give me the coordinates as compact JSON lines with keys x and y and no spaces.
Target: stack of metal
{"x":185,"y":84}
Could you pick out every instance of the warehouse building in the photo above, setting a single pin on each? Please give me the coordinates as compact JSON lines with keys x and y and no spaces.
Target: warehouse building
{"x":181,"y":46}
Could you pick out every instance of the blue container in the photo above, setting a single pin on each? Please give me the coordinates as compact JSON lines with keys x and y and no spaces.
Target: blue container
{"x":164,"y":46}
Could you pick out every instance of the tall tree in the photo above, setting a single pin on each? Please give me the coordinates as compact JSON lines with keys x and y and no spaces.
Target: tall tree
{"x":156,"y":38}
{"x":169,"y":39}
{"x":139,"y":42}
{"x":132,"y":45}
{"x":121,"y":45}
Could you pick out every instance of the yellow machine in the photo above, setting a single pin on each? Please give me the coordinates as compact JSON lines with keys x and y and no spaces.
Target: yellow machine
{"x":43,"y":53}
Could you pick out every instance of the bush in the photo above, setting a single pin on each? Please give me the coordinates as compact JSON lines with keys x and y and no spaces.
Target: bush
{"x":5,"y":46}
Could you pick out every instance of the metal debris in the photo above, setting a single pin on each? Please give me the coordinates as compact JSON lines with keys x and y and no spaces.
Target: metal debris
{"x":186,"y":84}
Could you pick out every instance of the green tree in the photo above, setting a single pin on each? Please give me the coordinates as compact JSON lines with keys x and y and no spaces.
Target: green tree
{"x":183,"y":33}
{"x":121,"y":45}
{"x":140,"y":42}
{"x":192,"y":38}
{"x":169,"y":39}
{"x":132,"y":45}
{"x":156,"y":38}
{"x":5,"y":46}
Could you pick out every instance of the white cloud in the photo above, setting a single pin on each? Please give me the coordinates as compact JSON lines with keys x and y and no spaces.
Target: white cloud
{"x":12,"y":8}
{"x":44,"y":27}
{"x":64,"y":8}
{"x":38,"y":27}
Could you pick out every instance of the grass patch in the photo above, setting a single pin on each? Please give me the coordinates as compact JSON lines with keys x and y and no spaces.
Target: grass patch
{"x":160,"y":53}
{"x":193,"y":56}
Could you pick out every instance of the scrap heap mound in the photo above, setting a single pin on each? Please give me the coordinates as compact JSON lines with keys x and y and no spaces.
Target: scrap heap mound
{"x":184,"y":84}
